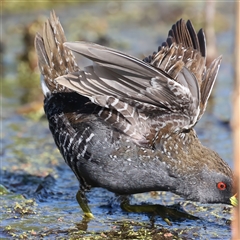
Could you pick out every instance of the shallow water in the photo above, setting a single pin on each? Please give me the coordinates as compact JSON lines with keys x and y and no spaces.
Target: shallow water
{"x":39,"y":200}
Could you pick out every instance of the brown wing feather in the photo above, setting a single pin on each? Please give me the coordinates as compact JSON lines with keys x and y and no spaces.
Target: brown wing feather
{"x":54,"y":59}
{"x":128,"y":86}
{"x":146,"y":96}
{"x":189,"y":50}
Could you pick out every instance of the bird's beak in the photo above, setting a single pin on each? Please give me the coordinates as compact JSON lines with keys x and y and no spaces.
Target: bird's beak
{"x":234,"y":200}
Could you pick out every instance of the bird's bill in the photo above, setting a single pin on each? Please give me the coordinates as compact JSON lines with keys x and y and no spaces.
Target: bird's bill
{"x":234,"y":200}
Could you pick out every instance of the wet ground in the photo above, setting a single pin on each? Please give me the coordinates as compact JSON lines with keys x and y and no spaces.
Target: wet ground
{"x":38,"y":189}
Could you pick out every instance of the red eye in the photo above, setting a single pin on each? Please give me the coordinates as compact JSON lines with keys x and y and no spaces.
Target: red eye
{"x":221,"y":186}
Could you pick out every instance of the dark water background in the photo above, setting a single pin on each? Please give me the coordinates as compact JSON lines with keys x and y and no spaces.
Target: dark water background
{"x":38,"y":189}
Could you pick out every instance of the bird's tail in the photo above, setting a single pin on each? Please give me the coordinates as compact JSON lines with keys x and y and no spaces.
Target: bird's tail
{"x":54,"y":59}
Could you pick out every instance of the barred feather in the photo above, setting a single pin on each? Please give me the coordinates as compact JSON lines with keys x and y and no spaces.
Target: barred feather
{"x":54,"y":59}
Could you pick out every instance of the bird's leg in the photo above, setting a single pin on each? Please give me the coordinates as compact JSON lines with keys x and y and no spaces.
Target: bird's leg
{"x":165,"y":212}
{"x":82,"y":201}
{"x":126,"y":206}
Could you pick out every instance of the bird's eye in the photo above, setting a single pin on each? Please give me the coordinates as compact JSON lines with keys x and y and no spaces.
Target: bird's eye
{"x":221,"y":186}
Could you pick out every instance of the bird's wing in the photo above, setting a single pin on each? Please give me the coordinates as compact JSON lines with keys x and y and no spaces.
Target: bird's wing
{"x":191,"y":48}
{"x":136,"y":98}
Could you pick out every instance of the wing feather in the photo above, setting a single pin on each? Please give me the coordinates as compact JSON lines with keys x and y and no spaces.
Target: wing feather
{"x":143,"y":95}
{"x":172,"y":86}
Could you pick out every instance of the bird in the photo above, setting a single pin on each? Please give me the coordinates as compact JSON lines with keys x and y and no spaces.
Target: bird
{"x":126,"y":124}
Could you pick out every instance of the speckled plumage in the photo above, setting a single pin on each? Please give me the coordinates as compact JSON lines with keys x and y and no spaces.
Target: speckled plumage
{"x":127,"y":125}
